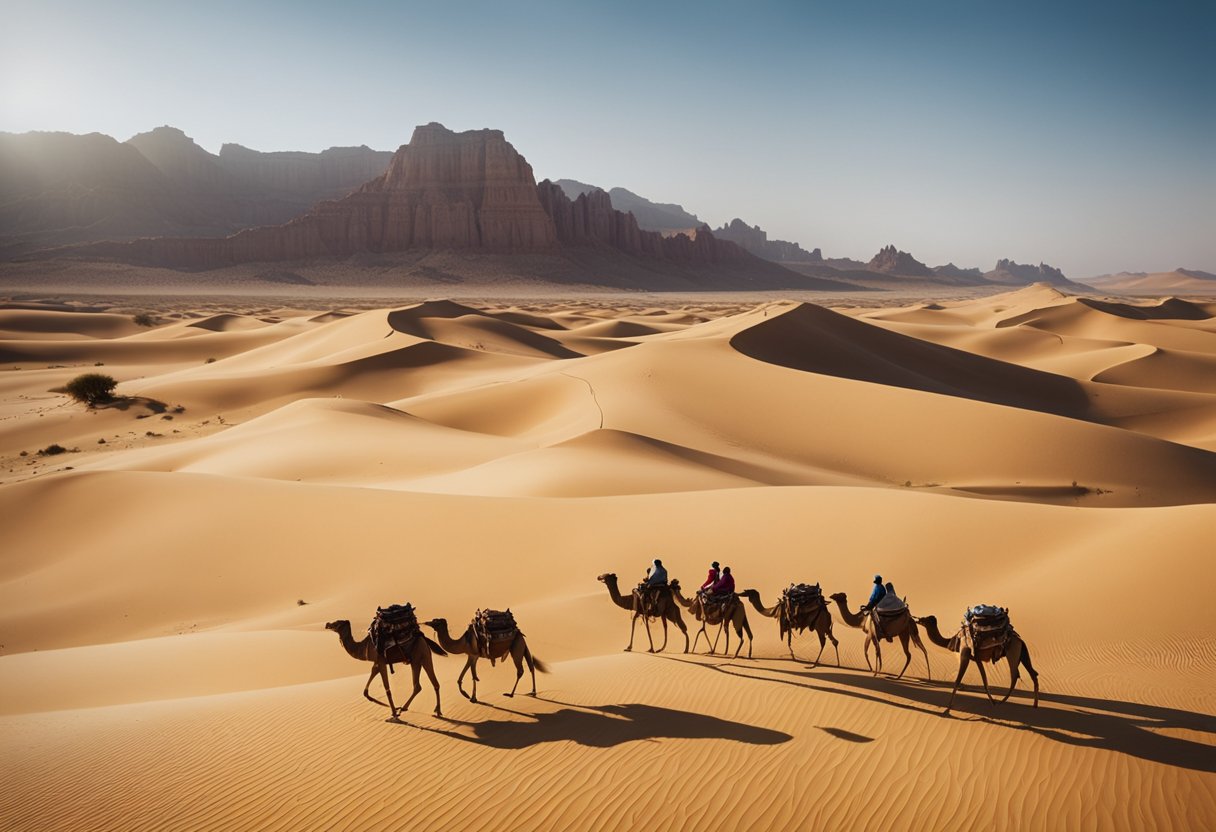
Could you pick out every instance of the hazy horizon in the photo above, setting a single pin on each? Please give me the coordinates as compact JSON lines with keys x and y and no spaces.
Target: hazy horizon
{"x":1080,"y":137}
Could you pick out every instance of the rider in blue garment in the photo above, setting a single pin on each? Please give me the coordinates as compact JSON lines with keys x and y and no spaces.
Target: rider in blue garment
{"x":658,"y":575}
{"x":877,"y":594}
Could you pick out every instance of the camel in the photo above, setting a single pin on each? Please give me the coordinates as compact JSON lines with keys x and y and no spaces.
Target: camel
{"x":1015,"y":650}
{"x":665,"y":611}
{"x":516,"y":648}
{"x":819,"y":620}
{"x":417,"y":655}
{"x":903,"y":628}
{"x":735,"y":615}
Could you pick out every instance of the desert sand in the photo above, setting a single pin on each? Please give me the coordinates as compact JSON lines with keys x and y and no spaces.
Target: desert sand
{"x":165,"y":581}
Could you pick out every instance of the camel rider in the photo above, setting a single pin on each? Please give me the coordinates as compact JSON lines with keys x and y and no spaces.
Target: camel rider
{"x":656,"y":579}
{"x":714,"y":574}
{"x":725,"y":586}
{"x":876,"y":595}
{"x":658,"y":575}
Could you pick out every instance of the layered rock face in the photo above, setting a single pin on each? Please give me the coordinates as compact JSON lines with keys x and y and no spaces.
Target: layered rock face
{"x":951,"y":270}
{"x":591,"y":220}
{"x":469,"y":191}
{"x":755,"y":239}
{"x":665,"y":218}
{"x":892,"y":261}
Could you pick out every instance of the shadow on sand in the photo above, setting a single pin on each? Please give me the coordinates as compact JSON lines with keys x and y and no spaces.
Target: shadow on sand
{"x":604,"y":726}
{"x":1109,"y":724}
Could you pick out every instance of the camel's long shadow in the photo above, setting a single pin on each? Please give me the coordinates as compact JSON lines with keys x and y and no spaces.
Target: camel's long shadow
{"x":1130,"y":728}
{"x":604,"y":726}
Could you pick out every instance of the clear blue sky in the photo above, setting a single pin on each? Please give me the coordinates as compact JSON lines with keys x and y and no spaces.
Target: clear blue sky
{"x":1081,"y":134}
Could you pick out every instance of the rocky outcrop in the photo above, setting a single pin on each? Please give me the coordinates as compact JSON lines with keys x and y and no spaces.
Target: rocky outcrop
{"x":60,"y":188}
{"x":952,"y":271}
{"x":892,"y":261}
{"x":755,"y":240}
{"x":1016,"y":274}
{"x":651,"y":216}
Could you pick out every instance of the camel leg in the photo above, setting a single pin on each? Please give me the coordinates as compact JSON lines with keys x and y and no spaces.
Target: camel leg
{"x":697,"y":640}
{"x":835,"y":643}
{"x":964,"y":659}
{"x":472,"y":666}
{"x":822,"y":643}
{"x":633,"y":625}
{"x":865,"y":652}
{"x":984,"y":675}
{"x":747,"y":628}
{"x":1013,"y":657}
{"x":519,"y":672}
{"x":531,"y":668}
{"x":789,"y":642}
{"x":916,"y":640}
{"x":460,"y":679}
{"x":903,"y":642}
{"x":649,"y":638}
{"x":376,"y":668}
{"x":877,"y":655}
{"x":392,"y":709}
{"x":1034,"y":675}
{"x":415,"y":670}
{"x":664,"y":647}
{"x":679,"y":622}
{"x":429,"y":667}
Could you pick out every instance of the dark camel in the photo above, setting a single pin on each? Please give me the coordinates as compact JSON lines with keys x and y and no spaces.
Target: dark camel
{"x":1015,"y":650}
{"x":516,"y":648}
{"x":417,"y":654}
{"x":902,"y":627}
{"x":733,"y":614}
{"x":818,"y":619}
{"x":665,"y":609}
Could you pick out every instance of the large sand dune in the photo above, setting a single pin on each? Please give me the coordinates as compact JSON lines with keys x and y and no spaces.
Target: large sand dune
{"x":165,"y":581}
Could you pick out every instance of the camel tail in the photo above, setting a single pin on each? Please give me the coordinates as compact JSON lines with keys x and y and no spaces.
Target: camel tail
{"x":435,"y":648}
{"x":538,"y":665}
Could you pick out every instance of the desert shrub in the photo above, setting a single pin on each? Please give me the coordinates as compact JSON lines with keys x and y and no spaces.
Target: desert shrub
{"x":91,"y":388}
{"x":144,"y":319}
{"x":54,"y":449}
{"x":210,"y":360}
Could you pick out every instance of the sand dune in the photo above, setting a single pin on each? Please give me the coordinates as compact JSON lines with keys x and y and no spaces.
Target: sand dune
{"x":163,"y":592}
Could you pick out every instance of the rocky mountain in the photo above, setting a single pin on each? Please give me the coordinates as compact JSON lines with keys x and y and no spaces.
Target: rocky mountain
{"x":1015,"y":274}
{"x":651,"y":216}
{"x":755,"y":240}
{"x":447,"y":191}
{"x":60,"y":188}
{"x":890,"y":260}
{"x":952,"y":271}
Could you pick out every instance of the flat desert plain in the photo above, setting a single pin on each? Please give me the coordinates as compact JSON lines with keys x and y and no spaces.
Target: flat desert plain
{"x":165,"y":582}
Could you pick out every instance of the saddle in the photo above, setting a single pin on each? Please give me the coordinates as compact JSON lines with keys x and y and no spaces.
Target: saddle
{"x":649,"y":595}
{"x":492,"y":626}
{"x":394,"y":625}
{"x":887,"y":611}
{"x":987,"y":627}
{"x":801,"y":598}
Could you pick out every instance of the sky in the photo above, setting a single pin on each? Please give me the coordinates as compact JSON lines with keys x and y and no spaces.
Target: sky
{"x":1078,"y":134}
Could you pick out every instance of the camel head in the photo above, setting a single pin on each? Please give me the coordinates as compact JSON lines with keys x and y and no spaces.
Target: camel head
{"x":930,"y":620}
{"x":840,"y":598}
{"x":338,"y":626}
{"x":607,"y":577}
{"x":435,"y":623}
{"x":674,"y":583}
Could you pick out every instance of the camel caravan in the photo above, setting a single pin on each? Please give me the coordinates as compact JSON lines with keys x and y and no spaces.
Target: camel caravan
{"x":985,"y":634}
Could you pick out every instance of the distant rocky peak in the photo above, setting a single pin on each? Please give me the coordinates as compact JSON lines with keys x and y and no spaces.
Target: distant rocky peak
{"x":893,"y":261}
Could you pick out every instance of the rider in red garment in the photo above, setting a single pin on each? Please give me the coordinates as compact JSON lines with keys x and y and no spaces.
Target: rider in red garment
{"x":725,"y":584}
{"x":714,"y":575}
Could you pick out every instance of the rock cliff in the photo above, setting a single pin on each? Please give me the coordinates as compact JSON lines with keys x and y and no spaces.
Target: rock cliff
{"x":892,"y":261}
{"x":755,"y":239}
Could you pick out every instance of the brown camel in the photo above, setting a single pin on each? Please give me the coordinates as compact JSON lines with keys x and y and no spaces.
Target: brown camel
{"x":417,"y":654}
{"x":733,"y":613}
{"x":818,"y":620}
{"x":664,"y":609}
{"x":516,"y":648}
{"x":902,"y":627}
{"x":1014,"y":649}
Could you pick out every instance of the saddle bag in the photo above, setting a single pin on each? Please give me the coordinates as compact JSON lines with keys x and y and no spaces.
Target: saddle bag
{"x":394,"y":625}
